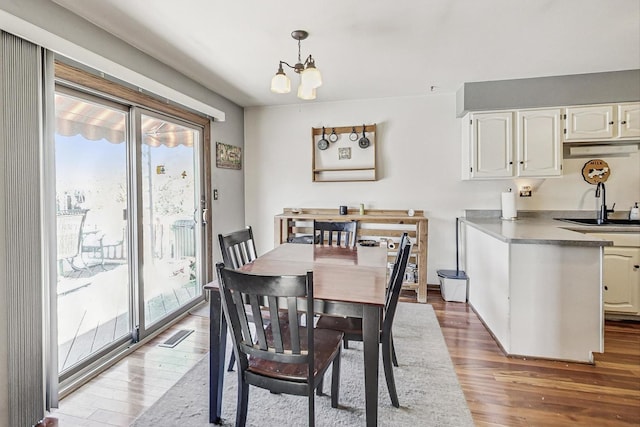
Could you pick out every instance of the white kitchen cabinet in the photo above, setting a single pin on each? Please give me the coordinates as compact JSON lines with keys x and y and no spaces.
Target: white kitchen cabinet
{"x":621,"y":279}
{"x":621,"y":273}
{"x":629,"y":120}
{"x":589,"y":123}
{"x":539,"y":143}
{"x":537,"y":300}
{"x":492,"y":145}
{"x":496,"y":147}
{"x":609,"y":122}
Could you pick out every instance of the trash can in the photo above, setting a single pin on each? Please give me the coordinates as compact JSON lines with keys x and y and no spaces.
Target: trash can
{"x":453,"y":285}
{"x":184,"y":237}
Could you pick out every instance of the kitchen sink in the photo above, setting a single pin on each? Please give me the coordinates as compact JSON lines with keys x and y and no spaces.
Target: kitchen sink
{"x":594,"y":221}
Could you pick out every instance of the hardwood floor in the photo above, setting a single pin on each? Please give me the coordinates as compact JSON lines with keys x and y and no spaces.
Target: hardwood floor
{"x":503,"y":391}
{"x":500,"y":391}
{"x":117,"y":396}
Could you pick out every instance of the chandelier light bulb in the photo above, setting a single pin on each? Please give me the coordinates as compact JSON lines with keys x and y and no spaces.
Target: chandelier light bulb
{"x":311,"y":76}
{"x":306,"y":93}
{"x":280,"y":83}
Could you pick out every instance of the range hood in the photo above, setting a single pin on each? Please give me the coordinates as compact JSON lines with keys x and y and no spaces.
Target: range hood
{"x":600,"y":149}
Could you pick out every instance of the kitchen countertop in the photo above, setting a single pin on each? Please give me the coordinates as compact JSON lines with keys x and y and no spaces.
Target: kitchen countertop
{"x":539,"y":227}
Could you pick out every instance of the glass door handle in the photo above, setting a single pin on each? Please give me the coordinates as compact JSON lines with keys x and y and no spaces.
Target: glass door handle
{"x":204,"y":216}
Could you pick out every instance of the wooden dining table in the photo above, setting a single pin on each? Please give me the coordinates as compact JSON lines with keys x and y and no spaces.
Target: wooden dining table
{"x":346,"y":282}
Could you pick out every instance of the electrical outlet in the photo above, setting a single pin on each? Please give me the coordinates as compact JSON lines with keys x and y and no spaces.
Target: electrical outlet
{"x":525,"y":191}
{"x":215,"y":194}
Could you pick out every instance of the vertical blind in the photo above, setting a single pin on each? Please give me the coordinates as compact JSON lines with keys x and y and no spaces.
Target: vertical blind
{"x":21,"y":265}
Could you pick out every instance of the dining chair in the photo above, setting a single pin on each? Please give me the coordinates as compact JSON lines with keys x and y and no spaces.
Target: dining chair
{"x":347,"y":337}
{"x":238,"y":247}
{"x":324,"y":232}
{"x":283,"y":357}
{"x":351,"y":327}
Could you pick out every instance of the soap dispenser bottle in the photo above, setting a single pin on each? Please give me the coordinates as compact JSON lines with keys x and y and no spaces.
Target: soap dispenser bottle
{"x":634,"y":213}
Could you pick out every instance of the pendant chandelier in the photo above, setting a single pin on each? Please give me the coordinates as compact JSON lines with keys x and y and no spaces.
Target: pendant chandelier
{"x":310,"y":77}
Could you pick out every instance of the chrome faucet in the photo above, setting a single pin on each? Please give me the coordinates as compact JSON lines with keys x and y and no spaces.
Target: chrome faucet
{"x":603,"y":212}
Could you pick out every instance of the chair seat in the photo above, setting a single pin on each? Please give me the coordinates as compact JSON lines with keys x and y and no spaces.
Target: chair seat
{"x":326,"y":344}
{"x":351,"y":326}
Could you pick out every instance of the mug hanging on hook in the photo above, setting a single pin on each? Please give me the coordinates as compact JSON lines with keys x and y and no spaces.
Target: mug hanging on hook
{"x":354,"y":135}
{"x":333,"y":137}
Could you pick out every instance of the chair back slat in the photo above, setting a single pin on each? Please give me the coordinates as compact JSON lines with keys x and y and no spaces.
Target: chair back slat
{"x":280,"y":293}
{"x":276,"y":331}
{"x":344,"y":232}
{"x":294,"y":325}
{"x":238,"y":248}
{"x":257,"y":318}
{"x":239,"y":323}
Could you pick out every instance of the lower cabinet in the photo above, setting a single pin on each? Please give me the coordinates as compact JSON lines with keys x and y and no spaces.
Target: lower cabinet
{"x":621,"y":275}
{"x":541,"y":301}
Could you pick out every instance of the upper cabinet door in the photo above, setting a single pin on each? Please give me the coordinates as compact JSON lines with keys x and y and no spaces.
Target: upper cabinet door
{"x":629,"y":120}
{"x":491,"y":146}
{"x":590,"y":123}
{"x":539,"y":142}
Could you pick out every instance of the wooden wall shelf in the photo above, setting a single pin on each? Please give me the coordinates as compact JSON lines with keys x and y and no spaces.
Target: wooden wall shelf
{"x":375,"y":224}
{"x":343,"y":159}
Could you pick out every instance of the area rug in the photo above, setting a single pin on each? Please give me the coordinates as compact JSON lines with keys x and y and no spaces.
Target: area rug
{"x":427,"y":386}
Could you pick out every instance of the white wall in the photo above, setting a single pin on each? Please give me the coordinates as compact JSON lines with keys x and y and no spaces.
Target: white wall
{"x":418,"y":164}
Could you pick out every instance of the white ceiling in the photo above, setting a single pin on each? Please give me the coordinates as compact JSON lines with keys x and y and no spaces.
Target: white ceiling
{"x":375,"y":48}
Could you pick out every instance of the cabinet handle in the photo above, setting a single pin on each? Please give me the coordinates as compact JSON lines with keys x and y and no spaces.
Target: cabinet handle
{"x":606,"y":288}
{"x":510,"y":163}
{"x":521,"y":162}
{"x":611,"y":123}
{"x":624,"y":122}
{"x":635,"y":267}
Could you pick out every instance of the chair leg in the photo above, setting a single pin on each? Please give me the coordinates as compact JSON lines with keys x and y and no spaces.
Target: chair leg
{"x":232,"y":361}
{"x":312,"y":406}
{"x":388,"y":370}
{"x":335,"y":381}
{"x":393,"y":353}
{"x":319,"y":388}
{"x":243,"y":401}
{"x":345,"y":343}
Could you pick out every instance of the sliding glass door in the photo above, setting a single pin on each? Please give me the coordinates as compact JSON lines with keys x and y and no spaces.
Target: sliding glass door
{"x":171,"y":232}
{"x":129,"y":234}
{"x":94,"y":273}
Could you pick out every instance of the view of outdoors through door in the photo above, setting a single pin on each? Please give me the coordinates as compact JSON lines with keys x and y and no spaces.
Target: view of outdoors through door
{"x":91,"y":201}
{"x":170,"y":197}
{"x":107,"y":295}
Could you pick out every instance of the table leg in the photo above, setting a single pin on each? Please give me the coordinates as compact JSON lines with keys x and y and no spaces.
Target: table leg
{"x":217,"y":347}
{"x":371,"y":338}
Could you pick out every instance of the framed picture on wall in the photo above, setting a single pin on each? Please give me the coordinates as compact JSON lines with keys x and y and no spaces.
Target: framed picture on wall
{"x":228,"y":156}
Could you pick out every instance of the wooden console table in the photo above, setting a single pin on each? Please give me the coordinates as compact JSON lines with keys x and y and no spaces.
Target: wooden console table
{"x":375,"y":224}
